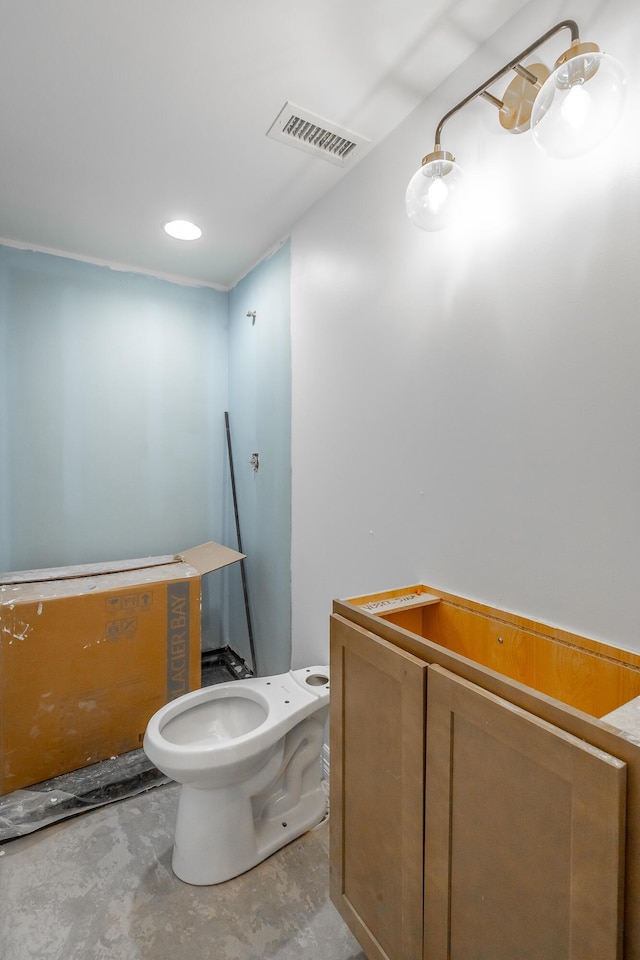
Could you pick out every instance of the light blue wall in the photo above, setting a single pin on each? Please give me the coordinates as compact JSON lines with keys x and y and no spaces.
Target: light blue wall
{"x":260,"y":418}
{"x":113,"y":388}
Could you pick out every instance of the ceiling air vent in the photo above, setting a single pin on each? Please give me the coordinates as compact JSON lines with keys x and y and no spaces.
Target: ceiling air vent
{"x":304,"y":130}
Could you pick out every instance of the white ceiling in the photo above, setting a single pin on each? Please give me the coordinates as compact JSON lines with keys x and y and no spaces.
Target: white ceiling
{"x":117,"y":115}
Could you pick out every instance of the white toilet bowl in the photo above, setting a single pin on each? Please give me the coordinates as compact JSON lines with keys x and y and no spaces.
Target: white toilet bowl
{"x":247,"y":754}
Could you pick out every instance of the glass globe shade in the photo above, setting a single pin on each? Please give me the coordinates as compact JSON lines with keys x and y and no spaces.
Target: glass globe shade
{"x":434,"y":193}
{"x":579,"y":105}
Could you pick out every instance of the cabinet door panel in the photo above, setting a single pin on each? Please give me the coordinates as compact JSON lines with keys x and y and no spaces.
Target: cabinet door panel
{"x":377,"y":791}
{"x":524,"y":834}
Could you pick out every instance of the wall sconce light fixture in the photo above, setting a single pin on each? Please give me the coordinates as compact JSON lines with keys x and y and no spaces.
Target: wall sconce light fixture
{"x":569,"y":110}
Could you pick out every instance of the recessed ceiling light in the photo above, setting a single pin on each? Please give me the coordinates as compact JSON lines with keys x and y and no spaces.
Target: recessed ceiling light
{"x":182,"y":230}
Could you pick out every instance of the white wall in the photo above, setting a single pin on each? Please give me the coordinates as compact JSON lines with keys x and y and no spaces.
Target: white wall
{"x":466,"y":406}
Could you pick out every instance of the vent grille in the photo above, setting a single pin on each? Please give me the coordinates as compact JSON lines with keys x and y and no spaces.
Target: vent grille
{"x":304,"y":130}
{"x":318,"y":137}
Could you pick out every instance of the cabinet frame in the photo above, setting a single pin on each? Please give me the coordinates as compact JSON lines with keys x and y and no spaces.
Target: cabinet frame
{"x":575,"y":722}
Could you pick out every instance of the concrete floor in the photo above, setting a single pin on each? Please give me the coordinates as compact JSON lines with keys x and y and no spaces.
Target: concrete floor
{"x":100,"y":887}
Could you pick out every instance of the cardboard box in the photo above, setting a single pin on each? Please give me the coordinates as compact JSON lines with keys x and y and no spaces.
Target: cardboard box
{"x":89,"y":653}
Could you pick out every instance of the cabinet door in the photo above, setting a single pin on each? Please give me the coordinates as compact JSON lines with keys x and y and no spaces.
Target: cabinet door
{"x":524,"y":834}
{"x":377,"y":791}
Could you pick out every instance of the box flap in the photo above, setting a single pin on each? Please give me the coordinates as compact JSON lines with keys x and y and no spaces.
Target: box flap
{"x":210,"y":556}
{"x":203,"y":558}
{"x":83,"y":570}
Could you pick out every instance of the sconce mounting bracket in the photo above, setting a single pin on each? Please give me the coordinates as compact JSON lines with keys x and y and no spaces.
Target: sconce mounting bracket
{"x":517,"y":100}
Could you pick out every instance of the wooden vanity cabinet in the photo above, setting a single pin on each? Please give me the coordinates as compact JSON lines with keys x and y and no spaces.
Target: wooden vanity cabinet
{"x":474,"y":817}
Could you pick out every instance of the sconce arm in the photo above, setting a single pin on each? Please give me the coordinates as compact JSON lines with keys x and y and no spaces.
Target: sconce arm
{"x":512,"y":65}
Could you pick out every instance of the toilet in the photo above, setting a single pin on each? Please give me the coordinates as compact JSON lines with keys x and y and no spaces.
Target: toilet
{"x":247,"y":753}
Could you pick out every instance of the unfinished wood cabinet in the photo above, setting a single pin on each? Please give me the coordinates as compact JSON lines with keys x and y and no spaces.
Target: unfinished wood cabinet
{"x":475,"y":817}
{"x":377,"y":692}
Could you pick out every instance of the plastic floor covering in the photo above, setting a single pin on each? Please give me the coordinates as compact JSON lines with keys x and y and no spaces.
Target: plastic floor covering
{"x":117,"y":778}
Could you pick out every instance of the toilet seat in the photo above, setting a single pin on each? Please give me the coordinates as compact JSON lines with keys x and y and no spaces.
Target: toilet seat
{"x":283,"y":700}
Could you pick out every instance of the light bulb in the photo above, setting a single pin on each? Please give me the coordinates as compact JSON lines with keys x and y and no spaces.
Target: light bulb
{"x":437,"y":195}
{"x":580,"y":103}
{"x":434,"y":192}
{"x":576,"y":106}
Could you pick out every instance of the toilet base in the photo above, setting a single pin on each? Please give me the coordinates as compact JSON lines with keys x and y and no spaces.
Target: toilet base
{"x":217,"y":839}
